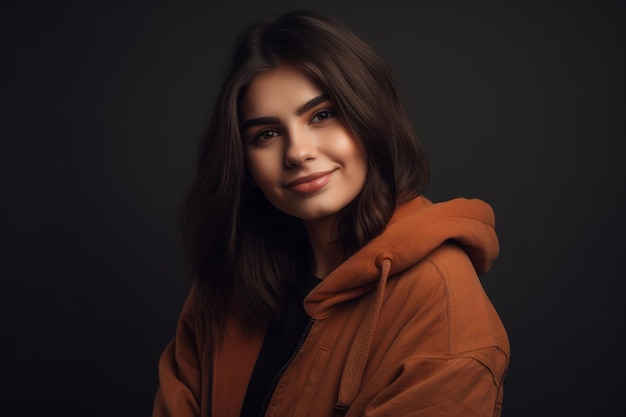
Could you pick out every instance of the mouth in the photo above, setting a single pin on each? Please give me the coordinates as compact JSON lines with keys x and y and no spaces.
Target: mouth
{"x":310,"y":183}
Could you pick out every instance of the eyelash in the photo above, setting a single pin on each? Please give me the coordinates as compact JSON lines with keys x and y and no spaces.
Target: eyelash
{"x":330,"y":114}
{"x":259,"y":136}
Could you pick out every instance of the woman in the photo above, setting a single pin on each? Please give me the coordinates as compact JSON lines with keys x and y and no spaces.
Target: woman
{"x":325,"y":284}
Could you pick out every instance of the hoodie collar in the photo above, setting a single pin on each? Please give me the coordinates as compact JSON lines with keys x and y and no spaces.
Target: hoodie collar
{"x":416,"y":228}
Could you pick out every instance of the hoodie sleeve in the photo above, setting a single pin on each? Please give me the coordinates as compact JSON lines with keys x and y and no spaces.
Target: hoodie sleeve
{"x":179,"y":375}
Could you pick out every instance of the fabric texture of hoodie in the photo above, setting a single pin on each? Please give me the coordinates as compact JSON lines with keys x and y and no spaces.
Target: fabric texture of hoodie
{"x":401,"y":328}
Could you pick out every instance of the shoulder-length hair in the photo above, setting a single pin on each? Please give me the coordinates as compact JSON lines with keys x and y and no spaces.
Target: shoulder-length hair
{"x":243,"y":253}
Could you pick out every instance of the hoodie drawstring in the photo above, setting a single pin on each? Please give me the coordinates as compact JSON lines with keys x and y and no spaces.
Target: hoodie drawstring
{"x":359,"y":351}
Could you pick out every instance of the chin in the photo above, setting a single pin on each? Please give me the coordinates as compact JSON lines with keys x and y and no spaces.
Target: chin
{"x":315,"y":213}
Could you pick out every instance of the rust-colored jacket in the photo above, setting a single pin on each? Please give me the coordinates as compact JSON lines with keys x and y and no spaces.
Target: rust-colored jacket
{"x":402,"y":328}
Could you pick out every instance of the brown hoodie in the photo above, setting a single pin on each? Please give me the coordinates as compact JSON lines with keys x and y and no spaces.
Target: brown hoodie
{"x":402,"y":328}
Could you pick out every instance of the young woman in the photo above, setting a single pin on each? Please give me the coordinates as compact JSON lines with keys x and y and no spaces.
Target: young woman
{"x":325,"y":283}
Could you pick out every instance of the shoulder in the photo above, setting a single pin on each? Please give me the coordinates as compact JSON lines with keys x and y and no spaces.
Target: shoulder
{"x":442,"y":273}
{"x":442,"y":293}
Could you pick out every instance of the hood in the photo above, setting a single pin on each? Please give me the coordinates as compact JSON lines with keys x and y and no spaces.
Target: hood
{"x":416,"y":229}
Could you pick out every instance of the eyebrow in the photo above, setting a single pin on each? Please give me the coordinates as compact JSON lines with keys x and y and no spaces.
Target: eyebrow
{"x":311,"y":103}
{"x":260,"y":121}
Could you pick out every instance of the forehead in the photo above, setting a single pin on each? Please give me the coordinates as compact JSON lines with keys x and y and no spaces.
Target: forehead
{"x":277,"y":92}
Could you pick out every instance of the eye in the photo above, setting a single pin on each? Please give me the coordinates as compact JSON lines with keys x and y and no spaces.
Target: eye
{"x":323,"y":115}
{"x":265,"y":135}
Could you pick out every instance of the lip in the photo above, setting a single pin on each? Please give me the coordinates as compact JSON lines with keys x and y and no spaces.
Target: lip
{"x":310,"y":183}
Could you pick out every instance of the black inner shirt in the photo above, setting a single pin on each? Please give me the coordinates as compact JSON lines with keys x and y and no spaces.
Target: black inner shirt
{"x":279,"y":344}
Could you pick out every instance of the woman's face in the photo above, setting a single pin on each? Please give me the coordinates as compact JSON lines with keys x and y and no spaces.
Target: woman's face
{"x":298,"y":149}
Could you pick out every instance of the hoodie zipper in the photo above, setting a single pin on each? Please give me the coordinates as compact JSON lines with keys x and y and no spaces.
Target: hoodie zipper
{"x":272,"y":387}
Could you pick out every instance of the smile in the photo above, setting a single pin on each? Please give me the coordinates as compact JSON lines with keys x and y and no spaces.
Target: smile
{"x":310,"y":183}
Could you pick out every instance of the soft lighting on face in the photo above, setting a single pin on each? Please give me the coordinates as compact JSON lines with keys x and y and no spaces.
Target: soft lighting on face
{"x":298,"y":149}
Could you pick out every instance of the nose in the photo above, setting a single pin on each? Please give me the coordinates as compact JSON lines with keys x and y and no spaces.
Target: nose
{"x":301,"y":148}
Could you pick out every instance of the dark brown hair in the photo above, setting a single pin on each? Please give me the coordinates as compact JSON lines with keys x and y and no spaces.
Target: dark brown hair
{"x":244,"y":253}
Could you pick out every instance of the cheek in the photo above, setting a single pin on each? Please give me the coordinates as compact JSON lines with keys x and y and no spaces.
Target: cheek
{"x":260,"y":168}
{"x":356,"y":157}
{"x":359,"y":175}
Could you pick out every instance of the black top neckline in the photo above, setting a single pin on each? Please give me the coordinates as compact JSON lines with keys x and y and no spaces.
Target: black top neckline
{"x":280,"y":342}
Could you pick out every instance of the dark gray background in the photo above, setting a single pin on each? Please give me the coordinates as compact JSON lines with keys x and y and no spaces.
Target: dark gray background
{"x":518,"y":103}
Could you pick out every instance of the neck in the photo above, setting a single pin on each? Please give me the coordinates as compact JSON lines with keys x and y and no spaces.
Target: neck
{"x":327,"y":253}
